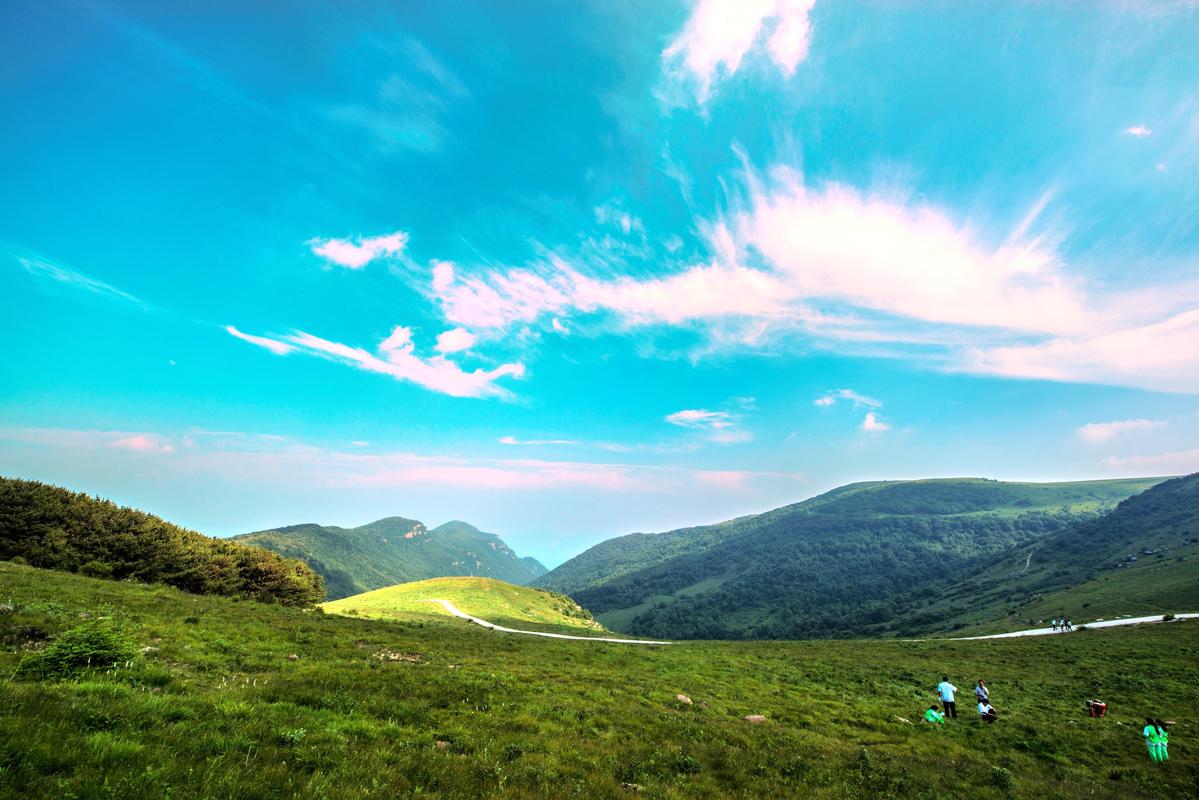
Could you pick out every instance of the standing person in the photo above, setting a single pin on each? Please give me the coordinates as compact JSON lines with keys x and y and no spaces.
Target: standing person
{"x":982,"y":692}
{"x":1163,"y":741}
{"x":1153,"y":733}
{"x":1054,"y":624}
{"x":947,"y":690}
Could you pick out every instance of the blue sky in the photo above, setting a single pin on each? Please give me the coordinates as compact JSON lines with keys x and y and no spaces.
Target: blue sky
{"x":571,"y":270}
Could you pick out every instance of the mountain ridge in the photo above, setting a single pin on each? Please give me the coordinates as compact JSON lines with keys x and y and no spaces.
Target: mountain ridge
{"x":830,"y":565}
{"x":395,"y":550}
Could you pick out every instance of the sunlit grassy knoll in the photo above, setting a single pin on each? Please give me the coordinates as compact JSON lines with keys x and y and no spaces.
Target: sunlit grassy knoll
{"x":216,"y":708}
{"x":495,"y":601}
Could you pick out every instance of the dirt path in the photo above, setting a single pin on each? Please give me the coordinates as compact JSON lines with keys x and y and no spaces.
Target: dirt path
{"x":450,"y":607}
{"x":1103,"y":623}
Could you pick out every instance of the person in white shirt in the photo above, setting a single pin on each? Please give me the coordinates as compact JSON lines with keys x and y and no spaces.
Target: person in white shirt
{"x":987,"y":711}
{"x":946,"y":690}
{"x":981,"y":692}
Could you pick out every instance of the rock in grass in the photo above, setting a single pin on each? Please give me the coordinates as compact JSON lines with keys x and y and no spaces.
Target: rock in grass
{"x":293,"y":657}
{"x":441,"y":744}
{"x":754,"y":718}
{"x":632,"y":787}
{"x":684,"y":699}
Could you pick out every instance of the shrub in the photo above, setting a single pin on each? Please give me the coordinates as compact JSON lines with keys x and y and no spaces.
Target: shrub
{"x":95,"y":644}
{"x":1168,"y":618}
{"x":1002,"y":778}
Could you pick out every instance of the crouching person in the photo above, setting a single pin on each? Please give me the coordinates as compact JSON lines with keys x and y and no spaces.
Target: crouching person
{"x":987,"y":711}
{"x":934,"y":716}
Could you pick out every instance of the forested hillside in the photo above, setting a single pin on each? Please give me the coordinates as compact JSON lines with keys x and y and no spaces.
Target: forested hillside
{"x":54,"y":528}
{"x":845,"y":562}
{"x":1143,"y":558}
{"x":395,"y":550}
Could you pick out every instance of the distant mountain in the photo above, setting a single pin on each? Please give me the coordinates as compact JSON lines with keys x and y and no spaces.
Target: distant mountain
{"x":395,"y":550}
{"x":834,"y":565}
{"x":1142,"y":558}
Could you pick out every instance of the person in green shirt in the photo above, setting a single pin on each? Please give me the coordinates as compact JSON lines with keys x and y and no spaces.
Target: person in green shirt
{"x":1163,"y":741}
{"x":1154,"y":735}
{"x":934,"y":716}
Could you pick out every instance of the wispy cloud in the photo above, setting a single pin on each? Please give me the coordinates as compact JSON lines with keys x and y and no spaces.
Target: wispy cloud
{"x":46,"y":269}
{"x":872,"y":423}
{"x":875,"y":273}
{"x":512,"y":440}
{"x":1098,"y":432}
{"x":396,"y":356}
{"x":858,"y":400}
{"x":1174,"y":462}
{"x":722,"y":427}
{"x":357,"y":253}
{"x":317,"y":468}
{"x":144,"y":443}
{"x":1139,"y":131}
{"x":719,"y":34}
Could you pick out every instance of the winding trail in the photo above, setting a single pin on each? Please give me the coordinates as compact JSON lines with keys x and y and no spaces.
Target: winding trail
{"x":1106,"y":623}
{"x":450,"y":607}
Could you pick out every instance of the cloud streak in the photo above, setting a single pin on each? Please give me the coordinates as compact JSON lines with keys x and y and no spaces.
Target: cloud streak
{"x":396,"y":356}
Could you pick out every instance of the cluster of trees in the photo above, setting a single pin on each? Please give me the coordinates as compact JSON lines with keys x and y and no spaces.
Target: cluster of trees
{"x":54,"y":528}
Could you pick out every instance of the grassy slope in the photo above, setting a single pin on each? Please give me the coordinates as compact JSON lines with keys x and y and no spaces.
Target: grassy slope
{"x":847,"y":555}
{"x":219,"y":711}
{"x":495,"y":601}
{"x":1086,"y":572}
{"x":395,"y":550}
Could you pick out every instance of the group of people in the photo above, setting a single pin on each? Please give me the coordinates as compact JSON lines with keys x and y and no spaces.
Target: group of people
{"x":948,"y":694}
{"x":1062,"y":623}
{"x":1157,"y":738}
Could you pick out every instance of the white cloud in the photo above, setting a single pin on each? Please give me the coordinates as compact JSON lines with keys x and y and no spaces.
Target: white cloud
{"x":455,"y":340}
{"x":396,"y":357}
{"x":360,"y":443}
{"x":360,"y":252}
{"x":1096,"y":432}
{"x":858,"y":400}
{"x":871,"y":423}
{"x":1139,"y":131}
{"x":719,"y":33}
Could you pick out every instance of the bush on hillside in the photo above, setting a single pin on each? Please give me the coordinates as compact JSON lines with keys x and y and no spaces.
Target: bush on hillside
{"x":95,"y":644}
{"x":50,"y":527}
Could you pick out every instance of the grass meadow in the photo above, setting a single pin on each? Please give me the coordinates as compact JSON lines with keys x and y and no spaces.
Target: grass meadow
{"x":221,"y":699}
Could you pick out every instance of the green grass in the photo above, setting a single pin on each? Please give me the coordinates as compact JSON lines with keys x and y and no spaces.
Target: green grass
{"x":218,"y":710}
{"x":495,"y":601}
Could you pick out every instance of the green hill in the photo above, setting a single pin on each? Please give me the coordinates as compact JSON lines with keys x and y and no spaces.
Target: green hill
{"x":226,"y":699}
{"x":51,"y":527}
{"x":519,"y":607}
{"x":843,"y":563}
{"x":395,"y":550}
{"x":1142,"y":558}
